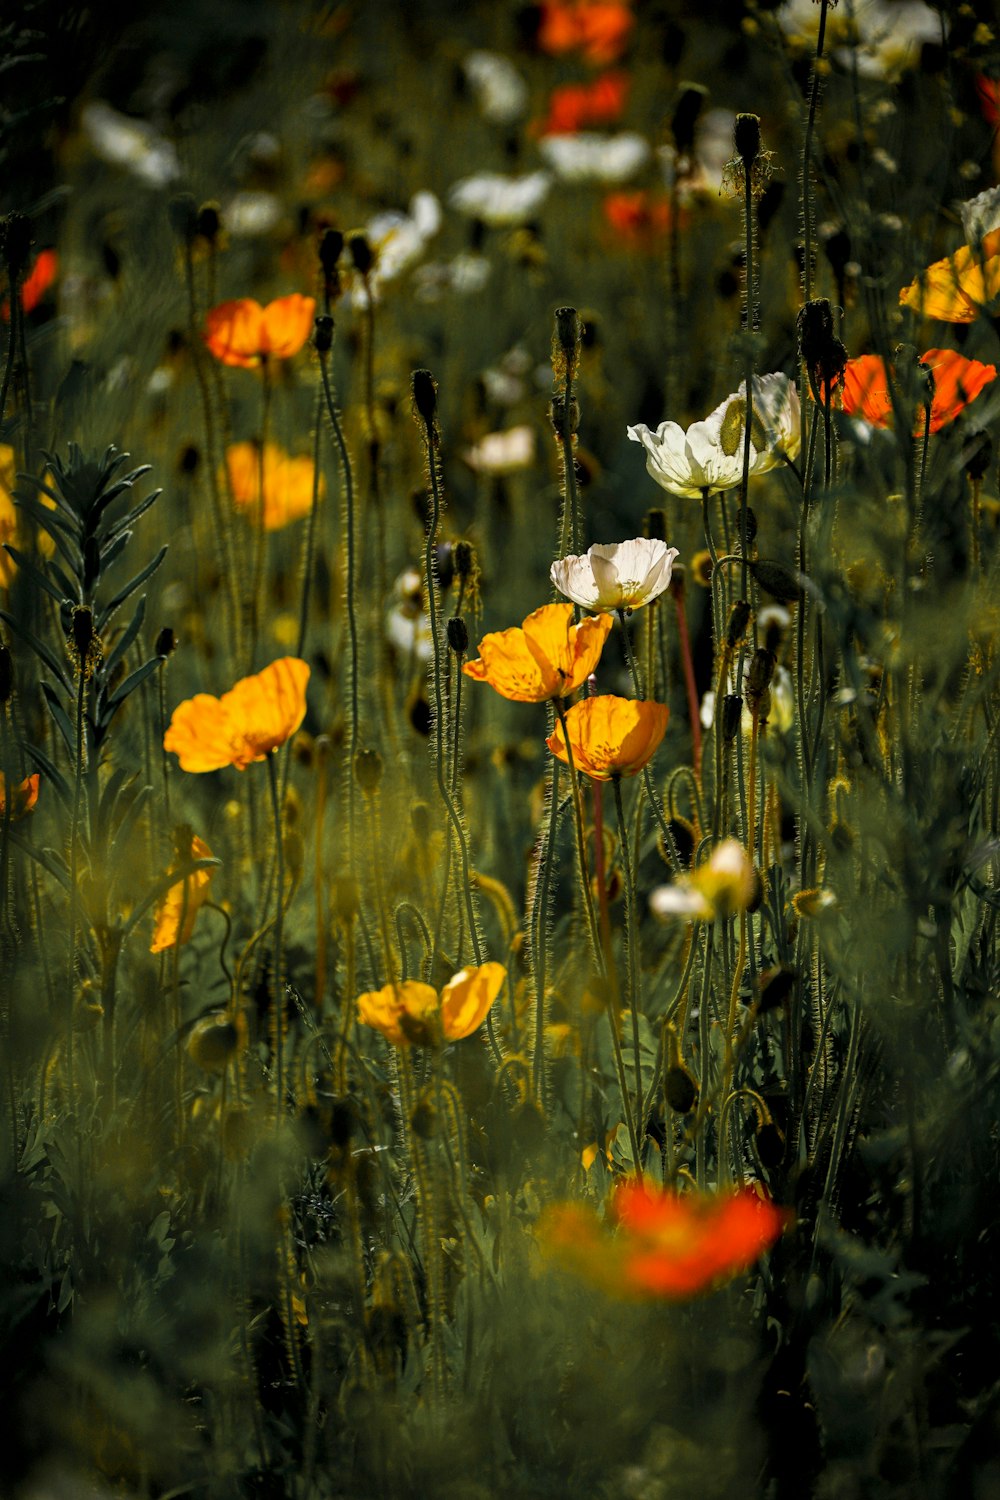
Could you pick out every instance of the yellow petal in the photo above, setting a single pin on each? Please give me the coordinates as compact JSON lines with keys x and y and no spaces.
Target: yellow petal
{"x":466,"y":999}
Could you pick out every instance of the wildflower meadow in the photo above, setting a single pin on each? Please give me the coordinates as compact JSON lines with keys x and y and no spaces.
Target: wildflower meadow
{"x":499,"y":762}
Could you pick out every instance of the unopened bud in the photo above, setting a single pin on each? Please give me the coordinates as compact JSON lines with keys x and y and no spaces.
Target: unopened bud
{"x":183,"y":214}
{"x":464,"y":559}
{"x":680,"y":1089}
{"x":330,"y":248}
{"x":458,"y":635}
{"x":444,"y":562}
{"x":83,"y":644}
{"x":685,"y":116}
{"x":770,"y":1144}
{"x":323,"y":334}
{"x":564,"y":416}
{"x":209,"y":222}
{"x":732,"y":713}
{"x":739,"y":619}
{"x":978,"y":460}
{"x":567,"y":333}
{"x":746,"y":139}
{"x":424,"y":388}
{"x":759,"y":676}
{"x":362,"y":255}
{"x":774,"y":987}
{"x":166,"y":642}
{"x":777,"y":580}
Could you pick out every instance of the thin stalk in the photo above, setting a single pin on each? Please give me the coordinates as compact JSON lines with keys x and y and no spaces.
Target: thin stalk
{"x":539,"y":930}
{"x":632,"y":942}
{"x":278,"y":998}
{"x":673,"y":857}
{"x":309,"y":541}
{"x":806,"y":155}
{"x":687,"y":661}
{"x":257,"y":568}
{"x":581,"y":845}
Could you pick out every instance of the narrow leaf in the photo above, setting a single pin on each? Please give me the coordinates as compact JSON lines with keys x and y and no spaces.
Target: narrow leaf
{"x":130,"y":588}
{"x":39,"y":648}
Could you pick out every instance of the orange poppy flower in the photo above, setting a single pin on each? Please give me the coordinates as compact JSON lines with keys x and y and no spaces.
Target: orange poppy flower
{"x":547,"y":657}
{"x":668,"y":1244}
{"x":256,"y":716}
{"x":611,"y":737}
{"x":245,"y":334}
{"x":988,"y":90}
{"x":576,"y":106}
{"x":598,"y":29}
{"x":167,"y":931}
{"x":957,"y":288}
{"x":288,"y":483}
{"x":37,"y":282}
{"x":23,"y":798}
{"x":414,"y":1013}
{"x":864,"y":390}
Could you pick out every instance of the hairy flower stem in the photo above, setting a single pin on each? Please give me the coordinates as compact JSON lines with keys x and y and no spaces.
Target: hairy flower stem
{"x":807,"y":141}
{"x":309,"y":541}
{"x":347,"y":485}
{"x":278,"y":978}
{"x":374,"y":442}
{"x":633,"y":974}
{"x":74,"y":854}
{"x":687,"y":661}
{"x":670,"y":847}
{"x":581,"y":846}
{"x":256,"y":601}
{"x":751,"y":323}
{"x":570,"y":538}
{"x":541,"y":886}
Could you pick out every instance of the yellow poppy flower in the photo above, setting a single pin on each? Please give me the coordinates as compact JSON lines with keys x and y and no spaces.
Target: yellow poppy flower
{"x":956,"y":289}
{"x":288,"y":483}
{"x":414,"y":1013}
{"x":256,"y":716}
{"x":546,"y":657}
{"x":168,"y":931}
{"x":611,"y":737}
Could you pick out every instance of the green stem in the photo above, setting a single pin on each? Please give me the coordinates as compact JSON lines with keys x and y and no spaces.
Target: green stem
{"x":278,"y":997}
{"x":581,"y":844}
{"x":632,"y":969}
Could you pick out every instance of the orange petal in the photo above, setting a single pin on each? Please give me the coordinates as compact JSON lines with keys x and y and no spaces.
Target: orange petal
{"x":267,"y":708}
{"x":466,"y":999}
{"x":611,"y":736}
{"x":175,"y":905}
{"x":404,"y":1013}
{"x":234,"y":332}
{"x":864,"y":390}
{"x":957,"y":381}
{"x":506,"y":663}
{"x":201,"y":734}
{"x":287,"y":323}
{"x":566,"y":652}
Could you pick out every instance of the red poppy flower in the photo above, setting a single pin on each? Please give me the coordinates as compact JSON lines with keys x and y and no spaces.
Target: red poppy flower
{"x":598,"y":29}
{"x":37,"y":282}
{"x":957,"y":381}
{"x":667,"y":1244}
{"x":577,"y":106}
{"x":639,"y":217}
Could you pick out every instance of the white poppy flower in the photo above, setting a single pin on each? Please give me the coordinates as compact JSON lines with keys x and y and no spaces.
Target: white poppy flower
{"x":889,"y":33}
{"x":980,"y":215}
{"x":709,"y":455}
{"x":500,"y":91}
{"x":585,"y":156}
{"x":620,"y":575}
{"x":503,"y":452}
{"x":249,"y":214}
{"x":129,"y":143}
{"x":723,"y":885}
{"x":500,"y":200}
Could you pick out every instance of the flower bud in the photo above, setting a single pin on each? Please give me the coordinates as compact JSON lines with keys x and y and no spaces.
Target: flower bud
{"x":746,"y":139}
{"x":423,"y":1121}
{"x":368,"y":771}
{"x":680,"y":1089}
{"x":739,"y":619}
{"x":464,"y":559}
{"x":759,"y":676}
{"x":83,"y":644}
{"x":774,"y":987}
{"x":444,"y":562}
{"x":566,"y":341}
{"x":837,"y":247}
{"x":685,"y":116}
{"x":362,"y":255}
{"x":323,"y":334}
{"x":209,"y":222}
{"x":777,"y":580}
{"x":212,"y":1042}
{"x":564,"y":416}
{"x":978,"y":460}
{"x":822,"y":353}
{"x":458,"y":635}
{"x":770,"y":1144}
{"x":424,"y":388}
{"x":166,"y":643}
{"x":732,"y":713}
{"x":330,"y":248}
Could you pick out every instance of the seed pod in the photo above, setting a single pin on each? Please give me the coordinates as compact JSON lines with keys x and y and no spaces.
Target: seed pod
{"x":209,"y":222}
{"x":685,"y":116}
{"x":166,"y":643}
{"x":732,"y":713}
{"x":212,"y":1042}
{"x":362,"y":254}
{"x":567,"y":333}
{"x":746,"y":139}
{"x":680,"y":1089}
{"x":458,"y":635}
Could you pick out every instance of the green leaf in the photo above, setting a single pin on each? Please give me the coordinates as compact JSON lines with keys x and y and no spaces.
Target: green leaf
{"x":55,"y":532}
{"x":39,"y":648}
{"x":34,"y":573}
{"x":60,"y":716}
{"x":127,"y":638}
{"x":161,"y":887}
{"x":130,"y":588}
{"x":121,"y":835}
{"x":114,"y":549}
{"x":129,"y":685}
{"x":129,"y":520}
{"x":52,"y":774}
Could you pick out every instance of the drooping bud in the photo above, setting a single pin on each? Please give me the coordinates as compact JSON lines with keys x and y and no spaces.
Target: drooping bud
{"x":732,"y":713}
{"x":777,"y":580}
{"x":746,"y":139}
{"x":759,"y":676}
{"x":739,"y":619}
{"x":368,"y":771}
{"x":685,"y":116}
{"x":209,"y":222}
{"x":166,"y":642}
{"x":362,"y":254}
{"x":464,"y":560}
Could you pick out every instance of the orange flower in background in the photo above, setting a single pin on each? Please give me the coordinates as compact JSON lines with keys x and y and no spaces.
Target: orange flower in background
{"x":245,"y":334}
{"x":611,"y":737}
{"x":640,"y":217}
{"x":37,"y":282}
{"x":672,"y":1245}
{"x":598,"y":29}
{"x":256,"y":716}
{"x":957,"y":288}
{"x":175,"y":905}
{"x":864,"y":390}
{"x":288,"y":483}
{"x":23,"y":797}
{"x":547,"y":657}
{"x":577,"y":106}
{"x":411,"y":1013}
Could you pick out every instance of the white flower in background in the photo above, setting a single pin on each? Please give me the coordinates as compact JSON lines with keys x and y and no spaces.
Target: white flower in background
{"x":500,"y":200}
{"x":129,"y":143}
{"x":980,"y":215}
{"x":619,"y":575}
{"x":498,"y":88}
{"x":407,"y":625}
{"x":465,"y":274}
{"x":249,"y":214}
{"x":723,"y":885}
{"x":585,"y":156}
{"x":503,"y":452}
{"x":505,"y":383}
{"x":890,"y":33}
{"x":400,"y":239}
{"x":709,"y":455}
{"x":782,"y":691}
{"x":703,"y":170}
